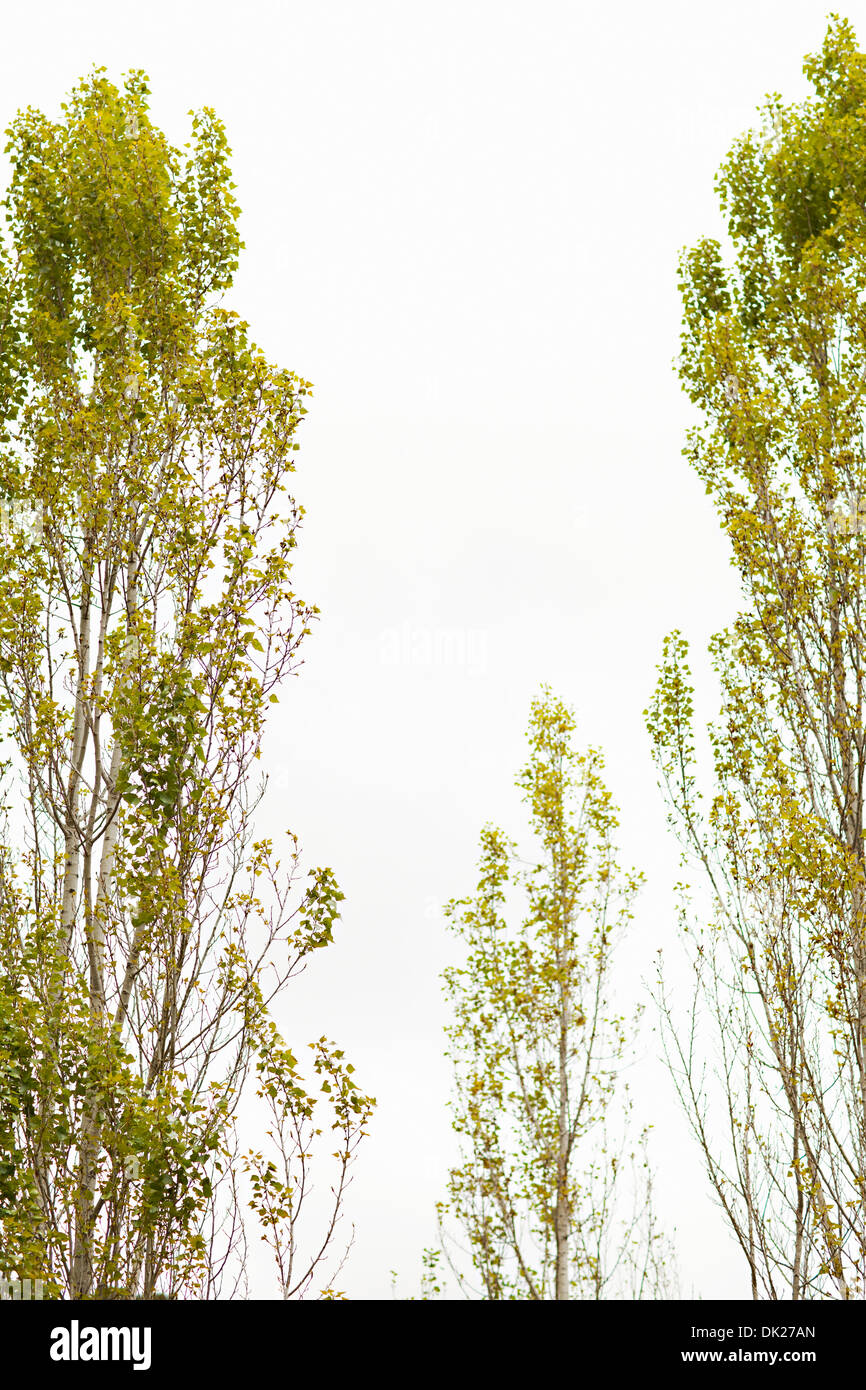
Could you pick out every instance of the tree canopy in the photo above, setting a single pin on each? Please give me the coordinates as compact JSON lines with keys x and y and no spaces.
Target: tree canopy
{"x":774,"y":357}
{"x":146,"y":622}
{"x":553,"y":1194}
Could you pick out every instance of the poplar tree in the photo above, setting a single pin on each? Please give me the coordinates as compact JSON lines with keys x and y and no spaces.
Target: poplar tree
{"x":552,"y":1197}
{"x":146,"y":622}
{"x":769,"y":1059}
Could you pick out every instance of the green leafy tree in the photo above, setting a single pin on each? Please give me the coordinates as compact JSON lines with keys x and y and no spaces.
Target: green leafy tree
{"x":146,"y":622}
{"x":551,"y":1198}
{"x":770,"y":1061}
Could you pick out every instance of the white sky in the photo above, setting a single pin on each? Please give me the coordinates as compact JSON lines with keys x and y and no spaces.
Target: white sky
{"x":462,"y":223}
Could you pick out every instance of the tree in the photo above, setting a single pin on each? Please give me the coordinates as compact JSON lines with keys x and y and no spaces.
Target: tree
{"x":146,"y":621}
{"x":774,"y":357}
{"x":537,"y":1052}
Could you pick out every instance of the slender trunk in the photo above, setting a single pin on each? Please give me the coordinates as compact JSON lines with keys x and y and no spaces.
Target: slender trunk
{"x":562,"y":1216}
{"x":562,"y":1226}
{"x":72,"y":835}
{"x":85,"y":1203}
{"x":747,"y":1188}
{"x":829,"y":1229}
{"x":95,"y":919}
{"x":852,"y":830}
{"x":798,"y":1247}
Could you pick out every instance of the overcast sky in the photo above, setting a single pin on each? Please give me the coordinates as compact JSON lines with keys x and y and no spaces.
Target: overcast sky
{"x":462,"y":223}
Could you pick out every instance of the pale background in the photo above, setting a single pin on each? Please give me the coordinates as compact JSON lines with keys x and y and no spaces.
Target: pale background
{"x":462,"y":222}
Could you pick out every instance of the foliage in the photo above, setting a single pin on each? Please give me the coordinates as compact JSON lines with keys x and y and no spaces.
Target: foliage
{"x":542,"y":1192}
{"x":146,"y":622}
{"x":774,"y":357}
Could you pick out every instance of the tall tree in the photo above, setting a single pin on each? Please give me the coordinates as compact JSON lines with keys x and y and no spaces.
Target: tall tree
{"x":774,"y":357}
{"x":146,"y":621}
{"x":545,"y":1193}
